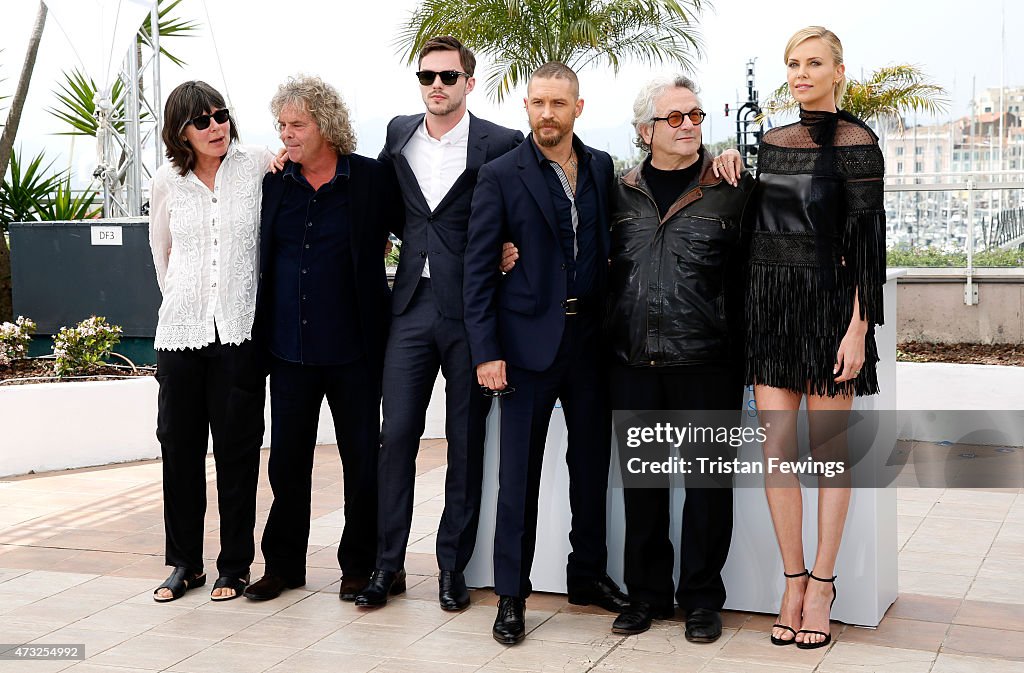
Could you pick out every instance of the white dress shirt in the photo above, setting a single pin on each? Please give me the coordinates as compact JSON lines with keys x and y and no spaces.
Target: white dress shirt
{"x":205,"y":249}
{"x":437,"y":164}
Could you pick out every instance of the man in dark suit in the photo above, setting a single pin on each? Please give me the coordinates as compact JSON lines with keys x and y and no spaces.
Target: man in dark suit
{"x":535,"y":332}
{"x":322,"y":311}
{"x":436,"y":157}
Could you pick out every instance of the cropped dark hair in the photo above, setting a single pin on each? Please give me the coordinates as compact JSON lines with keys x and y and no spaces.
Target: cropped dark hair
{"x":449,"y":43}
{"x":188,"y":100}
{"x":557,"y":70}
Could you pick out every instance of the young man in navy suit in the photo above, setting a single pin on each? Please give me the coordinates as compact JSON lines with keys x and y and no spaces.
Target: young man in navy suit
{"x":436,"y":156}
{"x":537,"y":330}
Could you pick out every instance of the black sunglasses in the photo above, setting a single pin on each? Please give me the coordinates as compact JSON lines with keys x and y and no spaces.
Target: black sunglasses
{"x":202,"y":122}
{"x":675,"y":118}
{"x":448,"y":77}
{"x":490,"y":392}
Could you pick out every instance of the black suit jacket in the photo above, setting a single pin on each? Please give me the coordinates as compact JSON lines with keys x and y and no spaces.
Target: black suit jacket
{"x":374,"y":210}
{"x":441,"y":233}
{"x":519,"y":317}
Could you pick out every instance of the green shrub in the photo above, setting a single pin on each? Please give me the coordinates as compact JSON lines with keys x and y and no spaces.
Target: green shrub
{"x":15,"y":338}
{"x":927,"y":257}
{"x":79,"y":348}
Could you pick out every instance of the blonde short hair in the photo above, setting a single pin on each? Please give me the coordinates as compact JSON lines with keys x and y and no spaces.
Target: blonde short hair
{"x":834,"y":45}
{"x":324,"y":104}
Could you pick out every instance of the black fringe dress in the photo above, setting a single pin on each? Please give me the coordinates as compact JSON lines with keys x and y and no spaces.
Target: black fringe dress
{"x":818,"y":239}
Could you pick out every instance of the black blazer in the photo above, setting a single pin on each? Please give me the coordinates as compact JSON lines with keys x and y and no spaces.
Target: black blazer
{"x":374,"y":210}
{"x":519,"y":317}
{"x":441,"y":234}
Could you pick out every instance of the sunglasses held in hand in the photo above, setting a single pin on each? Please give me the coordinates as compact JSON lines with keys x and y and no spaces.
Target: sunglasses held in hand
{"x":491,"y":392}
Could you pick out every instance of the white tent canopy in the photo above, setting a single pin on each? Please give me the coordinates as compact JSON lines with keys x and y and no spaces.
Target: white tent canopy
{"x":101,"y":32}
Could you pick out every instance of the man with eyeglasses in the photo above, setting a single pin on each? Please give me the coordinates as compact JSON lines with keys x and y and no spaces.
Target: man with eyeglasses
{"x":436,"y":156}
{"x":675,"y":327}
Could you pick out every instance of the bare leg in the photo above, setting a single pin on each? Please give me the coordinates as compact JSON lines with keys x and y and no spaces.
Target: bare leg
{"x":827,"y":425}
{"x":777,"y":408}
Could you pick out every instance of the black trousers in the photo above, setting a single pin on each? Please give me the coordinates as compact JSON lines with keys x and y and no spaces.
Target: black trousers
{"x":421,"y":341}
{"x":578,"y":379}
{"x":218,"y":389}
{"x":296,"y":393}
{"x":707,"y":512}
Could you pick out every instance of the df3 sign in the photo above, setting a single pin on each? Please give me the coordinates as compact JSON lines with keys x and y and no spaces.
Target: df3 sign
{"x":106,"y":235}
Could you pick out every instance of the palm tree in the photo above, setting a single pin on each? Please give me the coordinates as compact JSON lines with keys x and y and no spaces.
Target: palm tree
{"x":885,"y":97}
{"x":521,"y":35}
{"x":7,"y":146}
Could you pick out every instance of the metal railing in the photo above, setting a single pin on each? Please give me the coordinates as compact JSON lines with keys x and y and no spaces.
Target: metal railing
{"x":1003,"y":225}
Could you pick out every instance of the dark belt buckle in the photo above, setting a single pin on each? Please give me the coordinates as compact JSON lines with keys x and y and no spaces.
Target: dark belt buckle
{"x":571,"y":305}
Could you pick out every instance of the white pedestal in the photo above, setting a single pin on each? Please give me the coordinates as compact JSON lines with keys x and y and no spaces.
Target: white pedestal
{"x":753,"y":574}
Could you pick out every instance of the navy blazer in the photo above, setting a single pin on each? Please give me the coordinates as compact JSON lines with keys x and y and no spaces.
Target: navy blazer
{"x":519,"y":316}
{"x":440,"y":233}
{"x":374,"y":210}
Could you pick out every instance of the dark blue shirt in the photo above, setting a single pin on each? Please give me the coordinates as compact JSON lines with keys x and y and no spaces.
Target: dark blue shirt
{"x":581,"y":262}
{"x":313,"y":308}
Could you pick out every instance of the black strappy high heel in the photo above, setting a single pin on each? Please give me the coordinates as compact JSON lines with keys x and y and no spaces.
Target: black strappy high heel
{"x":781,"y":641}
{"x":828,"y":636}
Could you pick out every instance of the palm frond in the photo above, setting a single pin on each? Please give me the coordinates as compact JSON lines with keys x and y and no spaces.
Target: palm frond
{"x":62,"y":204}
{"x":167,"y":26}
{"x":521,"y":35}
{"x":77,"y":106}
{"x":24,"y":187}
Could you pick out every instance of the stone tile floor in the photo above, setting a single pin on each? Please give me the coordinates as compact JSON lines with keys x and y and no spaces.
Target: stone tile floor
{"x":81,"y":551}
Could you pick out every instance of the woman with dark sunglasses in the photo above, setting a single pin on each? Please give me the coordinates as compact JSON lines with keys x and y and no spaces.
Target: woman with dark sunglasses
{"x":814,"y":293}
{"x":204,"y":228}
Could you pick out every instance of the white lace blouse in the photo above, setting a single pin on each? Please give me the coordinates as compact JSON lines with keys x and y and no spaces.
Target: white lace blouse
{"x":205,"y":249}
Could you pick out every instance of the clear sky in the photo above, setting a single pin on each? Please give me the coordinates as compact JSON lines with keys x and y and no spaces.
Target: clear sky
{"x":350,"y":44}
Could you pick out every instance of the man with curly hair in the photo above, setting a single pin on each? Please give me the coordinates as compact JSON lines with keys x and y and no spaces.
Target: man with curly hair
{"x":322,"y":312}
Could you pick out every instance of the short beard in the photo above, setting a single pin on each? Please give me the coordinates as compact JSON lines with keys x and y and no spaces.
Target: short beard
{"x":545,"y":141}
{"x":449,"y":106}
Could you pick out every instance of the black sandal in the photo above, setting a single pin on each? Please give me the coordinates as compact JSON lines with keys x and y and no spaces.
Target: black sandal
{"x":782,"y":641}
{"x":179,"y":581}
{"x":828,"y":636}
{"x":227,"y":582}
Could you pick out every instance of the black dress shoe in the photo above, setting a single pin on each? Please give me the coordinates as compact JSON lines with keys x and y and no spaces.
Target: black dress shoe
{"x":351,"y":585}
{"x":383,"y":583}
{"x":703,"y":625}
{"x":637,"y":618}
{"x":601,"y":591}
{"x":452,"y":593}
{"x":269,"y":587}
{"x":510,"y":624}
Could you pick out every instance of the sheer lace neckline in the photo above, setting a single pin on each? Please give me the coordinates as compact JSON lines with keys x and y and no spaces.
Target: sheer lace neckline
{"x":820,"y":124}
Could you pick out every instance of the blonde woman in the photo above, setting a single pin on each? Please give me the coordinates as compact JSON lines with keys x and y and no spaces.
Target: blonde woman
{"x":814,"y":294}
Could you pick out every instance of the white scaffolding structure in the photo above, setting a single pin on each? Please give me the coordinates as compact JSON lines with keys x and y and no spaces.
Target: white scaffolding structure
{"x":122,"y":134}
